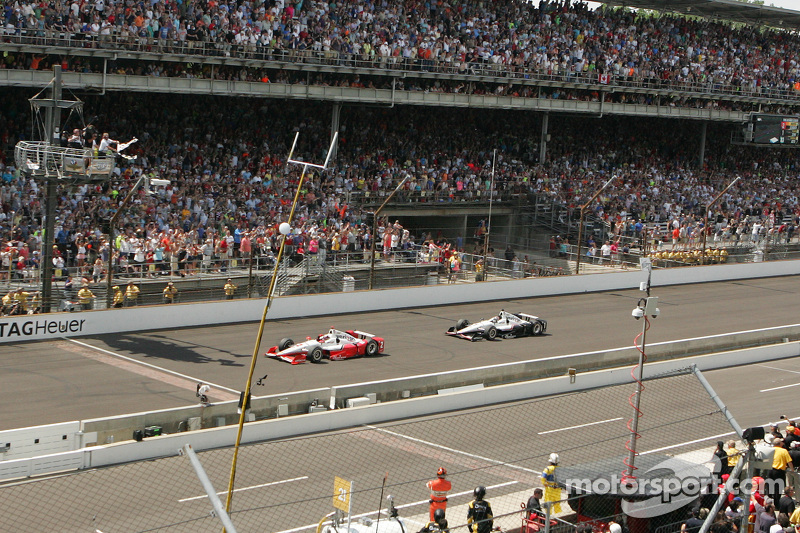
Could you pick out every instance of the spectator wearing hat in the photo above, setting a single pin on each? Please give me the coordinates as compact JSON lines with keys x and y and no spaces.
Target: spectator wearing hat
{"x":734,"y":513}
{"x":86,"y":298}
{"x":170,"y":292}
{"x":119,"y":297}
{"x":792,"y":436}
{"x":230,"y":289}
{"x":131,"y":295}
{"x":794,"y":452}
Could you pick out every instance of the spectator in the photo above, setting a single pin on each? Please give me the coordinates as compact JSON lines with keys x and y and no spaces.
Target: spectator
{"x":230,"y":289}
{"x":170,"y":293}
{"x":86,"y":298}
{"x":131,"y":295}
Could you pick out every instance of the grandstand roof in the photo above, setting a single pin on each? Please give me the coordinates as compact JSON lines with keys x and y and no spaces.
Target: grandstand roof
{"x":733,"y":10}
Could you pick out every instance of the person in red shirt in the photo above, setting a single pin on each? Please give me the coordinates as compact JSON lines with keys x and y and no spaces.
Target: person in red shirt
{"x":439,"y":488}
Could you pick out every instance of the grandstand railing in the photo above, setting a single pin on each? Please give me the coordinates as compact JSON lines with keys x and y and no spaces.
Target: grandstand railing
{"x":411,"y":265}
{"x":424,"y":198}
{"x":388,"y":65}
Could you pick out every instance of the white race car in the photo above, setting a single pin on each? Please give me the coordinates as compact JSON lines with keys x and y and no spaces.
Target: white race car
{"x":334,"y":345}
{"x":505,"y":325}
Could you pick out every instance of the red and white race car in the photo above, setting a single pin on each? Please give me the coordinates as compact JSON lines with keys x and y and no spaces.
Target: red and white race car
{"x":334,"y":345}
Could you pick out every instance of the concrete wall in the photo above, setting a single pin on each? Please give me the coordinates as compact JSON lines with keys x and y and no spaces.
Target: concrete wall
{"x":52,"y":326}
{"x":168,"y":445}
{"x":120,"y":428}
{"x":178,"y":420}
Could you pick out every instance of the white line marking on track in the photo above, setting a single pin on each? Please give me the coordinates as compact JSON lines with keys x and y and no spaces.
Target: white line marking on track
{"x":688,"y":442}
{"x":781,"y":369}
{"x":246,"y":488}
{"x":151,"y":366}
{"x":703,"y":439}
{"x":404,"y":506}
{"x":782,"y":386}
{"x":454,"y":450}
{"x":580,"y":426}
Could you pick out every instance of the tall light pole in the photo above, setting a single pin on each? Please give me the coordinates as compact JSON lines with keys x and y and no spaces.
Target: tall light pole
{"x":375,"y":228}
{"x":705,"y":219}
{"x":580,"y":226}
{"x":647,"y":307}
{"x":285,"y":229}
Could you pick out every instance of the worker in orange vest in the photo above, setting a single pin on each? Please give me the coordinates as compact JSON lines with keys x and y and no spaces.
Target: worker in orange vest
{"x":439,"y":488}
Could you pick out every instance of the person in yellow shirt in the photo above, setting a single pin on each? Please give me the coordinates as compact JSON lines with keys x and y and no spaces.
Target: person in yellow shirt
{"x":119,"y":297}
{"x":552,"y":491}
{"x":230,"y":289}
{"x":22,"y":299}
{"x":170,"y":292}
{"x":85,"y":298}
{"x":9,"y":301}
{"x":781,"y":461}
{"x":131,"y":294}
{"x":733,"y":455}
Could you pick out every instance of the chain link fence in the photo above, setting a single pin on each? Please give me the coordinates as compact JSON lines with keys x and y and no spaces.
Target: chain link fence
{"x":288,"y":485}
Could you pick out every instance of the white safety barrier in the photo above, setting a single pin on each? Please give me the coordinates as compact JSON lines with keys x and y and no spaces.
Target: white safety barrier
{"x":168,"y":445}
{"x":40,"y":440}
{"x":58,"y":325}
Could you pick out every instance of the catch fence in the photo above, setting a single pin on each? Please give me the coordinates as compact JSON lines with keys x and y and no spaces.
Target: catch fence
{"x":287,"y":485}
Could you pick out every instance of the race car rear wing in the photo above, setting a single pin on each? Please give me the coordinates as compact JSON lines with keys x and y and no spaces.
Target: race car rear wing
{"x":361,"y":334}
{"x":529,"y":318}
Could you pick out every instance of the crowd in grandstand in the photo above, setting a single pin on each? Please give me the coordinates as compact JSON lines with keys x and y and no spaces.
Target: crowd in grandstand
{"x":511,"y":36}
{"x":225,"y":157}
{"x":235,"y":179}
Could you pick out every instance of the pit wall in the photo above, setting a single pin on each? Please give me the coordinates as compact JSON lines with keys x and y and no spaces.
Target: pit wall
{"x":120,"y":428}
{"x":60,"y":325}
{"x":169,"y":445}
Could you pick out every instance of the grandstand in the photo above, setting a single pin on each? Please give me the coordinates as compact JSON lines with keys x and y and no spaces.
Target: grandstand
{"x":498,"y":121}
{"x":564,"y":116}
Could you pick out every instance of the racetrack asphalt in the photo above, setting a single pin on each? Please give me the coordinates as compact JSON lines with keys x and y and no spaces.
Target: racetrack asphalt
{"x":286,"y":485}
{"x":57,"y":381}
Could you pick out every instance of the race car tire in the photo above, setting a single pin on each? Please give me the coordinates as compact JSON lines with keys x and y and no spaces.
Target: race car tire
{"x":315,"y":355}
{"x":461,"y":324}
{"x":372,"y":348}
{"x":285,"y":343}
{"x":536,"y":329}
{"x":490,"y":333}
